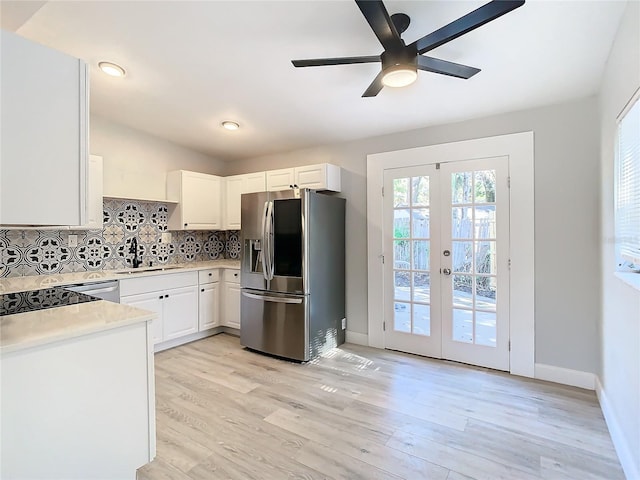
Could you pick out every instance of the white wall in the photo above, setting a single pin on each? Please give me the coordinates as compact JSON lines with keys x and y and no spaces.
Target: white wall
{"x":566,"y":204}
{"x":136,"y":162}
{"x":620,"y":329}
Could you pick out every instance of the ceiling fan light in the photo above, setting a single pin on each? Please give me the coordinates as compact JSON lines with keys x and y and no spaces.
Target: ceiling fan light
{"x":399,"y":76}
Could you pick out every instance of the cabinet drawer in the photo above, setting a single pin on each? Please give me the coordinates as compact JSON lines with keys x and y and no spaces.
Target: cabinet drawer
{"x":208,"y":276}
{"x":232,"y":276}
{"x":134,"y":286}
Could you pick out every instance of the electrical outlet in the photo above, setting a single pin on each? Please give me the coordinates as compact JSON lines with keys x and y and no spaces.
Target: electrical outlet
{"x":344,"y":323}
{"x":73,"y":241}
{"x":165,"y":237}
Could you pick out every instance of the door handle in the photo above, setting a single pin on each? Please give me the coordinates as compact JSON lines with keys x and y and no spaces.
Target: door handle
{"x":446,"y":271}
{"x":267,"y":298}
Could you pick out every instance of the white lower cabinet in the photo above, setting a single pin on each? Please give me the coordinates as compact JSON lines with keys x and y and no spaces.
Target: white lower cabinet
{"x":174,"y":297}
{"x":231,"y":296}
{"x":209,"y":299}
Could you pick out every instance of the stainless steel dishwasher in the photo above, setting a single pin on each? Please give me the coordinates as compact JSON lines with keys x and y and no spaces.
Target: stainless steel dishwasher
{"x":108,"y":290}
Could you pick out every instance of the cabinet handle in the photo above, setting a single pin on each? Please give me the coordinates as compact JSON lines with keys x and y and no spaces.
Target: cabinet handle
{"x":161,"y":297}
{"x":202,"y":290}
{"x":166,"y":296}
{"x":235,"y":274}
{"x":186,"y":224}
{"x":210,"y":274}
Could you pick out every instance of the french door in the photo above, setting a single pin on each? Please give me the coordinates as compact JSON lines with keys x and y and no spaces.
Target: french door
{"x":446,"y":234}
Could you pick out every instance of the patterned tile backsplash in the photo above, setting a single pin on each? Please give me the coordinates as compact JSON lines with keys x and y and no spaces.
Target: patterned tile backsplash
{"x":36,"y":252}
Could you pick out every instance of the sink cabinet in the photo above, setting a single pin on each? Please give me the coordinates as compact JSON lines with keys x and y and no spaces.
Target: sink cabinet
{"x":44,"y":147}
{"x":173,"y":296}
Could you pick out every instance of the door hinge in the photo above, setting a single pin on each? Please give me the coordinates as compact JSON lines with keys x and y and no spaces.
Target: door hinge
{"x":509,"y":345}
{"x":381,"y":258}
{"x":437,"y":166}
{"x":384,"y":326}
{"x":383,"y":191}
{"x":509,"y":264}
{"x":509,"y":182}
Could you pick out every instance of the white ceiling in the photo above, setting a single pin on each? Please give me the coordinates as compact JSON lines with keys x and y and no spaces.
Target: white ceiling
{"x":191,"y":65}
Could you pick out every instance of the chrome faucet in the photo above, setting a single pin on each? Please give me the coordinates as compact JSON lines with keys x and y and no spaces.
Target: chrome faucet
{"x":134,"y":249}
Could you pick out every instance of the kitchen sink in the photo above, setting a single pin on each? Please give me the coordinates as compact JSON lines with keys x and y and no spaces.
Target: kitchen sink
{"x":147,"y":269}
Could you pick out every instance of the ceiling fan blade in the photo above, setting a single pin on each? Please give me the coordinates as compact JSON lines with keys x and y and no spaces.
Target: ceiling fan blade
{"x":378,"y":18}
{"x":375,"y":86}
{"x":471,"y":21}
{"x":319,"y":62}
{"x":436,"y":65}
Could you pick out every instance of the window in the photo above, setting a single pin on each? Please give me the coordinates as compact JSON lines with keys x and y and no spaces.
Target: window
{"x":627,"y":184}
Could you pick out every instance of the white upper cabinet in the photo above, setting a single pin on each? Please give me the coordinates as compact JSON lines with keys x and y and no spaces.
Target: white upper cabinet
{"x":323,"y":176}
{"x":235,"y":186}
{"x":282,"y":179}
{"x":94,"y":195}
{"x":199,"y":198}
{"x":44,"y":131}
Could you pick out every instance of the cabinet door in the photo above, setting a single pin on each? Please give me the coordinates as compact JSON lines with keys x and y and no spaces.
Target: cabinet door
{"x":255,"y":182}
{"x":232,"y":305}
{"x":149,"y":301}
{"x":280,"y":179}
{"x":233,"y":195}
{"x":180,"y":309}
{"x":200,"y":202}
{"x":311,"y":176}
{"x":209,"y":306}
{"x":44,"y":130}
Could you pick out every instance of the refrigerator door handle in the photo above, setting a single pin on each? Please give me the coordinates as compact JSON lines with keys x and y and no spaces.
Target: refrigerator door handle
{"x":267,"y":298}
{"x":271,"y":247}
{"x":265,"y":245}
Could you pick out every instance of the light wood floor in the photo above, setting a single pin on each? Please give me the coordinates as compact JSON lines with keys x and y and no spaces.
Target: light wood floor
{"x":359,"y":413}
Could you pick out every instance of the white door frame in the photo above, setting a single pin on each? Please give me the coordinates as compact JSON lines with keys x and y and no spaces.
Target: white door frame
{"x":519,"y":148}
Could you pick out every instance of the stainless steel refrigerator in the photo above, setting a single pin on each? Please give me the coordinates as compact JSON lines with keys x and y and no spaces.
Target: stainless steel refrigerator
{"x":293,"y":277}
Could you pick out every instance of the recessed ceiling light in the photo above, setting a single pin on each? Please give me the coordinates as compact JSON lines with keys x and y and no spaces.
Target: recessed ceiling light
{"x":111,"y":69}
{"x":230,"y":125}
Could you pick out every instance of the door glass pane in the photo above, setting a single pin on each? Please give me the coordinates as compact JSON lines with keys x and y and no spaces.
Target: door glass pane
{"x":486,"y":258}
{"x":421,"y":254}
{"x":287,"y":237}
{"x":461,"y":187}
{"x":402,"y":285}
{"x":461,"y":222}
{"x":402,"y":317}
{"x":421,"y":288}
{"x":462,"y":291}
{"x":420,"y":219}
{"x":401,"y":192}
{"x":486,"y":293}
{"x":421,"y":319}
{"x":401,"y":256}
{"x":485,"y":186}
{"x":462,"y":258}
{"x":462,"y":325}
{"x":420,"y":191}
{"x":486,"y":329}
{"x":401,"y":223}
{"x":485,"y":222}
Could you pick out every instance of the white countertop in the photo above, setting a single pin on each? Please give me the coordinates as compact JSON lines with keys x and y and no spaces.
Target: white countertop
{"x":36,"y":282}
{"x":40,"y":327}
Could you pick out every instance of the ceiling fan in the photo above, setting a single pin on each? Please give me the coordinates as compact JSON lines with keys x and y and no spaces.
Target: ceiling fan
{"x":400,"y":62}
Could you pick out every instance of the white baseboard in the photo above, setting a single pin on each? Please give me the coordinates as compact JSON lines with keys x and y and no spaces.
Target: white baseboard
{"x":357,"y":338}
{"x":630,"y":462}
{"x":566,"y":376}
